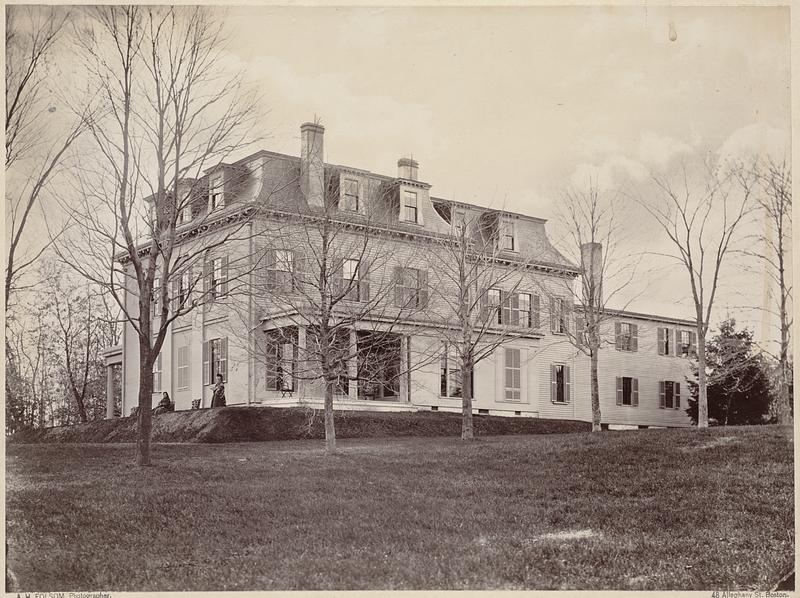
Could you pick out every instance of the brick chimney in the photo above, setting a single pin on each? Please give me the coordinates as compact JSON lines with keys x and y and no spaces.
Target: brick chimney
{"x":312,"y":169}
{"x":407,"y":168}
{"x":592,"y":279}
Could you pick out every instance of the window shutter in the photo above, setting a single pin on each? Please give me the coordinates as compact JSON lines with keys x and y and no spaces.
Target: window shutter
{"x":535,"y":311}
{"x":661,"y":342}
{"x":298,"y":268}
{"x":635,"y":392}
{"x":484,"y":304}
{"x":515,"y":311}
{"x":505,"y":307}
{"x":270,"y":278}
{"x":191,"y":284}
{"x":553,"y":384}
{"x":363,"y":281}
{"x":398,"y":286}
{"x":634,"y":337}
{"x":692,"y":343}
{"x":675,"y":348}
{"x":208,"y":267}
{"x":553,"y":315}
{"x":176,"y":293}
{"x":336,"y":280}
{"x":206,"y":368}
{"x":676,"y":398}
{"x":580,"y":330}
{"x":423,"y":288}
{"x":223,"y":358}
{"x":567,"y":385}
{"x":223,"y":285}
{"x":662,"y":394}
{"x":619,"y":390}
{"x":618,"y":339}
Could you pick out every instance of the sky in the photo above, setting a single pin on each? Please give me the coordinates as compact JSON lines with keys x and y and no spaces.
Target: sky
{"x":511,"y":107}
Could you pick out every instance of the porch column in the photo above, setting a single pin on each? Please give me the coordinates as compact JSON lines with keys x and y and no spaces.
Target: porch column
{"x":302,"y":363}
{"x":405,"y":372}
{"x":109,"y":391}
{"x":352,"y":367}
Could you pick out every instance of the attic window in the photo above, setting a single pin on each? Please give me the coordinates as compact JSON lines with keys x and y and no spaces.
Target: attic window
{"x":350,"y":195}
{"x":507,"y":237}
{"x":216,"y":196}
{"x":410,"y":206}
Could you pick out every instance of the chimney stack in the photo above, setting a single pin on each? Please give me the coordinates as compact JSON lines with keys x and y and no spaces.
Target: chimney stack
{"x":407,"y":168}
{"x":312,"y":169}
{"x":592,"y":279}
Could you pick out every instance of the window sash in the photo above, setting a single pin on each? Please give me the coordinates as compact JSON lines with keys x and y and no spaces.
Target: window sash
{"x":513,"y":375}
{"x":350,"y":195}
{"x":560,"y":383}
{"x":157,"y":374}
{"x":182,"y":359}
{"x":215,"y":194}
{"x":410,"y":206}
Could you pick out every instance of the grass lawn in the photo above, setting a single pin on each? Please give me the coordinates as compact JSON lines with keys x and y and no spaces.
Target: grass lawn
{"x":649,"y":509}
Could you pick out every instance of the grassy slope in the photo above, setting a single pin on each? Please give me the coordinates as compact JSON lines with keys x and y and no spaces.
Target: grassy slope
{"x":662,"y":509}
{"x":247,"y":424}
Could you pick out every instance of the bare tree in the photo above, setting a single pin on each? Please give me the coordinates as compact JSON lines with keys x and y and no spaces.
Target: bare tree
{"x":592,"y":239}
{"x":475,"y":284}
{"x":774,"y":198}
{"x":146,"y":215}
{"x":329,"y":293}
{"x":35,"y":150}
{"x":701,"y":220}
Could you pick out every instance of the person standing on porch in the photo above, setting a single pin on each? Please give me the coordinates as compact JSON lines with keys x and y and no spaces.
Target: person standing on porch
{"x":218,"y":398}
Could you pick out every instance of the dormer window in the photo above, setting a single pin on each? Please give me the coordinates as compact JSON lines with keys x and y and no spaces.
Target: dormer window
{"x":459,"y":221}
{"x":350,"y":196}
{"x":185,"y":215}
{"x":507,"y":237}
{"x":216,"y":196}
{"x":410,"y":206}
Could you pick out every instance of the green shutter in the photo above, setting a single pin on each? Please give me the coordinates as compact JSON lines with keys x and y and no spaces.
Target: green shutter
{"x":634,"y":337}
{"x":553,"y":384}
{"x":270,"y":278}
{"x":662,"y":394}
{"x":223,"y":356}
{"x":363,"y":281}
{"x":619,"y":390}
{"x":692,"y":343}
{"x":661,"y":341}
{"x":223,"y":286}
{"x":676,"y":396}
{"x":398,"y":284}
{"x":553,"y":315}
{"x":635,"y":392}
{"x":617,"y":338}
{"x":567,"y":385}
{"x":535,"y":311}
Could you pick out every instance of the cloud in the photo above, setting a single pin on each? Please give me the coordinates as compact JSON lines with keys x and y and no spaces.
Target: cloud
{"x":659,"y":150}
{"x":757,"y":139}
{"x":613,"y":172}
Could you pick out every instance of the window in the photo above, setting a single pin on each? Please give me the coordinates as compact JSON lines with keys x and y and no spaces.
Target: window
{"x":450,"y":373}
{"x":157,"y":374}
{"x":182,"y":359}
{"x":280,"y":270}
{"x":216,"y":196}
{"x":181,"y":288}
{"x":559,"y":315}
{"x":524,"y":314}
{"x":518,"y":309}
{"x":411,"y":287}
{"x":185,"y":215}
{"x":354,"y":278}
{"x":627,"y":391}
{"x":626,"y":336}
{"x":459,"y":221}
{"x":154,"y":310}
{"x":281,"y":356}
{"x":686,"y":343}
{"x":493,"y":304}
{"x":410,"y":206}
{"x":513,"y":377}
{"x":507,"y":240}
{"x":669,"y":394}
{"x":664,"y":342}
{"x":350,"y":196}
{"x":215,"y":360}
{"x":560,"y":383}
{"x":217,"y":277}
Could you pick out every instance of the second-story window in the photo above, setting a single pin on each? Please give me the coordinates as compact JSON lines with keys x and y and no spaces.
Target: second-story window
{"x":411,"y":287}
{"x":524,"y":315}
{"x":559,"y":315}
{"x":665,"y":341}
{"x":410,"y":207}
{"x":350,"y":196}
{"x":686,"y":343}
{"x":350,"y":279}
{"x":216,"y":278}
{"x":280,"y":271}
{"x":216,"y":196}
{"x":626,"y":336}
{"x":493,"y":303}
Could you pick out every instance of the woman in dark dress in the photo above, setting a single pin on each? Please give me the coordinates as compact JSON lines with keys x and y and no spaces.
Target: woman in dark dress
{"x":164,"y":405}
{"x":218,"y":398}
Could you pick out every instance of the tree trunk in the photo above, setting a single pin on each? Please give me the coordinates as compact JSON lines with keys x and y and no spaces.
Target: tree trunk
{"x":330,"y":430}
{"x":702,"y":385}
{"x":467,"y":429}
{"x":145,"y":420}
{"x":596,"y":427}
